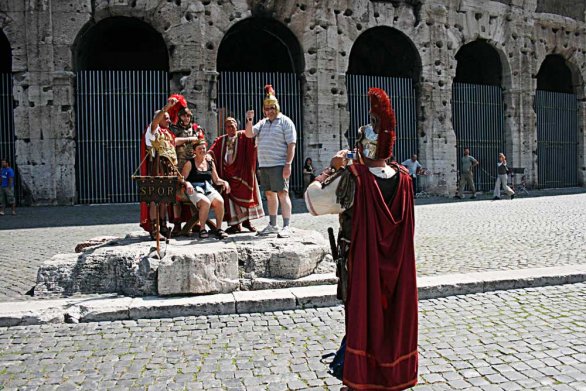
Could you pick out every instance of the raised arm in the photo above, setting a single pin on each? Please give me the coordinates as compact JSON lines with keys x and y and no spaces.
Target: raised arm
{"x":161,"y":113}
{"x":248,"y":127}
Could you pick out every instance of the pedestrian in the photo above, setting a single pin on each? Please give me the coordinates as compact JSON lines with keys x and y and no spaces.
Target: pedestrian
{"x":501,"y":179}
{"x":199,"y":173}
{"x":376,"y":256}
{"x":308,"y":172}
{"x":235,"y":157}
{"x":7,"y":188}
{"x":414,"y":168}
{"x":276,"y":139}
{"x":467,"y":163}
{"x":183,"y":126}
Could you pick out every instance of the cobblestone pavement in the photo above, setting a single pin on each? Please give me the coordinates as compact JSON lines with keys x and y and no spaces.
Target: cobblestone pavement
{"x":514,"y":340}
{"x":451,"y":236}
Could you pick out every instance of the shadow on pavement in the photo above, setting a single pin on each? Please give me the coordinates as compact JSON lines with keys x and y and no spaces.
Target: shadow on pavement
{"x":88,"y":215}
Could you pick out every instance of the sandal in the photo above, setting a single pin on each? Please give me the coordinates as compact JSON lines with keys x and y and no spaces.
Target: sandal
{"x":203,"y":234}
{"x":248,"y":226}
{"x":234,"y":229}
{"x":220,"y":234}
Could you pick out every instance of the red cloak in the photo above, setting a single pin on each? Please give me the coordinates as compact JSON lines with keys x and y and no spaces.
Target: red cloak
{"x":241,"y":174}
{"x":381,"y":307}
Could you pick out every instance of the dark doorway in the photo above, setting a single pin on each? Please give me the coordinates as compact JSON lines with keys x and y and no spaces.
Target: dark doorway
{"x":478,"y":110}
{"x":260,"y":45}
{"x":120,"y":43}
{"x":7,"y":134}
{"x":385,"y":51}
{"x":121,"y":80}
{"x":384,"y":57}
{"x":556,"y":107}
{"x":478,"y":63}
{"x":255,"y":52}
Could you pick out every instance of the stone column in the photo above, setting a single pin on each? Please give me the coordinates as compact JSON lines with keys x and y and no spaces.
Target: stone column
{"x":45,"y":146}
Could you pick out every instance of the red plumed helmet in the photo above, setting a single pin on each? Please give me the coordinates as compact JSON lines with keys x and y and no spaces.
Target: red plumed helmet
{"x":385,"y":123}
{"x":174,"y":110}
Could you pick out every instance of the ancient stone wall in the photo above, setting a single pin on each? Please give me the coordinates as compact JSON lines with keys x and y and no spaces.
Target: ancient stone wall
{"x":42,"y":34}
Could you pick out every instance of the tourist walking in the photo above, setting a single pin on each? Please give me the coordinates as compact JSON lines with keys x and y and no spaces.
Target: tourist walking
{"x":501,"y":179}
{"x":467,"y":164}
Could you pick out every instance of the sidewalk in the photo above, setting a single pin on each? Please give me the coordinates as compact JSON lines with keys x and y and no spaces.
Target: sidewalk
{"x":462,"y":247}
{"x":112,"y":307}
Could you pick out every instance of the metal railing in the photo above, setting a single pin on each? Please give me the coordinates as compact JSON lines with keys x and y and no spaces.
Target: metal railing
{"x":557,"y":139}
{"x":479,"y":123}
{"x":239,"y":92}
{"x":113,"y":108}
{"x":403,"y":100}
{"x":7,"y":136}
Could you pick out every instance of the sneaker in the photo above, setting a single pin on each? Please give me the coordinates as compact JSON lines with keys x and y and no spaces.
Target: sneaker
{"x":284,"y":233}
{"x":268,"y":230}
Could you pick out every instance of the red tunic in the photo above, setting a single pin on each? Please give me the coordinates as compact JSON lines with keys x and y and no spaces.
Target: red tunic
{"x":381,"y":308}
{"x":241,"y":173}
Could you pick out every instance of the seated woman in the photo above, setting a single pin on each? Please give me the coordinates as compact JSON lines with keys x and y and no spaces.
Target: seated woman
{"x":199,"y":174}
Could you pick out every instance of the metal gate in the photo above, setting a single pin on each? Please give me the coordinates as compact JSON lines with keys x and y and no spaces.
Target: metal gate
{"x":557,"y":139}
{"x":403,"y":100}
{"x":7,"y":147}
{"x":479,"y":123}
{"x":113,"y":108}
{"x":242,"y":91}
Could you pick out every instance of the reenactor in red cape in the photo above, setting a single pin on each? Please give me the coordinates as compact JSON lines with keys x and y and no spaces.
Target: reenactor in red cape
{"x":376,"y":256}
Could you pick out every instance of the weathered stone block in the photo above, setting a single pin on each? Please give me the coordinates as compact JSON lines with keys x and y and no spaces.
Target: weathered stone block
{"x":199,"y":269}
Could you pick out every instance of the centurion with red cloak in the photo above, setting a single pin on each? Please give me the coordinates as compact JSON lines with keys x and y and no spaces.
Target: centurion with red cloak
{"x":377,"y":276}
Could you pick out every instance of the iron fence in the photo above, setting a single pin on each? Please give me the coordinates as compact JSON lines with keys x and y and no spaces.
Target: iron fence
{"x":7,"y":136}
{"x":479,"y":123}
{"x":403,"y":100}
{"x":239,"y":92}
{"x":557,"y":139}
{"x":113,"y":108}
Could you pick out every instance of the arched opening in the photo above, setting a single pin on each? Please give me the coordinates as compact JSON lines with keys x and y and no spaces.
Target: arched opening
{"x":478,"y":63}
{"x":386,"y":58}
{"x":266,"y":44}
{"x":120,"y":43}
{"x":556,"y":106}
{"x":478,"y":112}
{"x":7,"y":136}
{"x":254,"y":52}
{"x":121,"y":80}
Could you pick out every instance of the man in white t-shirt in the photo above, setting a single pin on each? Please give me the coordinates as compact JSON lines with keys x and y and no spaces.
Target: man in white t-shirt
{"x":276,"y":138}
{"x":413,"y":166}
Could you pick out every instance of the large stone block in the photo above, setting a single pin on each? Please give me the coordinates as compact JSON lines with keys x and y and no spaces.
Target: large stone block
{"x":130,"y":266}
{"x":199,"y":269}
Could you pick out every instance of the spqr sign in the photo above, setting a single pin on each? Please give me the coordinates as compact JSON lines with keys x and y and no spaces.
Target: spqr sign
{"x":156,"y":188}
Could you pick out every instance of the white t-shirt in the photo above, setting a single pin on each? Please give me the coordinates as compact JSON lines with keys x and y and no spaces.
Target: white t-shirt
{"x":413,"y":166}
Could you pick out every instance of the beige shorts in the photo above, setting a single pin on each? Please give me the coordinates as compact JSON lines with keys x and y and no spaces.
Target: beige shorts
{"x":271,"y":179}
{"x":197,"y":196}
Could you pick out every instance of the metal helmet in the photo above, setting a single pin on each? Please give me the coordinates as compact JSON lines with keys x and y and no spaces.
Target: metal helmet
{"x":376,"y":140}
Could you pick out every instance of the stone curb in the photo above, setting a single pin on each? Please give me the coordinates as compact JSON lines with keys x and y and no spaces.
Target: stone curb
{"x":111,"y":307}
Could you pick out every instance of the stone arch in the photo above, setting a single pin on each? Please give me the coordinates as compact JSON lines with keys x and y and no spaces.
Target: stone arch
{"x":385,"y":57}
{"x":120,"y":43}
{"x":559,"y":110}
{"x":396,"y":55}
{"x":480,"y":89}
{"x":257,"y":39}
{"x":478,"y":62}
{"x":122,"y":78}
